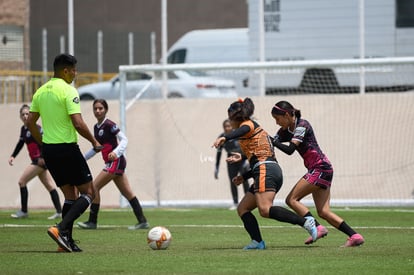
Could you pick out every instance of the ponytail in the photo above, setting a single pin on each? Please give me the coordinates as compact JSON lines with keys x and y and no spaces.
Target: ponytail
{"x":241,"y":109}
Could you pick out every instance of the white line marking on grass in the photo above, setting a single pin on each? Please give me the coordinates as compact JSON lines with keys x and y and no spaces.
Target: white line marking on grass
{"x":282,"y":226}
{"x":210,"y":226}
{"x":375,"y":210}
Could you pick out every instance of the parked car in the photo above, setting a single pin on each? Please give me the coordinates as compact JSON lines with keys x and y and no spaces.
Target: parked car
{"x":181,"y":83}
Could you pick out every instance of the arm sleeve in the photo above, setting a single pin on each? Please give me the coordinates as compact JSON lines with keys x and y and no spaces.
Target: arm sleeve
{"x":123,"y":142}
{"x":18,"y":147}
{"x":218,"y":157}
{"x":89,"y":154}
{"x":238,"y":132}
{"x":287,"y":149}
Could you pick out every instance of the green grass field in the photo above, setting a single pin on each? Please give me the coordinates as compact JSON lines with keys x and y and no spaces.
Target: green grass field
{"x":209,"y":241}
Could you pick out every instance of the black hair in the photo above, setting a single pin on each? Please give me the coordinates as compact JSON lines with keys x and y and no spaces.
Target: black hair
{"x":283,"y":107}
{"x":241,"y":110}
{"x":102,"y":101}
{"x":63,"y":61}
{"x":226,"y":121}
{"x":24,"y":106}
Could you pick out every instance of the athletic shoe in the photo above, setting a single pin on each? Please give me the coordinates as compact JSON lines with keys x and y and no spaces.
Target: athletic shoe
{"x":311,"y":228}
{"x":87,"y":225}
{"x":20,"y":215}
{"x":60,"y":238}
{"x":255,"y":245}
{"x":233,"y":207}
{"x":322,"y":232}
{"x":354,"y":240}
{"x":55,"y":216}
{"x":73,"y":245}
{"x":142,"y":225}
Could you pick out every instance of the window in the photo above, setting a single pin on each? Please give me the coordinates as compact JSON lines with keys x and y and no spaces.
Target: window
{"x":177,"y":56}
{"x":137,"y":76}
{"x":405,"y":14}
{"x":11,"y":43}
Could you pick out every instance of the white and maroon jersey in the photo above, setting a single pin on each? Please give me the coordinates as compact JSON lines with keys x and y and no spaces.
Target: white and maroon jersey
{"x":308,"y":147}
{"x":106,"y":135}
{"x":32,"y":146}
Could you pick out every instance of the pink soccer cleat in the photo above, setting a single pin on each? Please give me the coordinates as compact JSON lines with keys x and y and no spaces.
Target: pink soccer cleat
{"x":322,"y":232}
{"x":354,"y":240}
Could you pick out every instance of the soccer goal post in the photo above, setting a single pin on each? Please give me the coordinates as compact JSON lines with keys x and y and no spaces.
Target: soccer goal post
{"x":361,"y":110}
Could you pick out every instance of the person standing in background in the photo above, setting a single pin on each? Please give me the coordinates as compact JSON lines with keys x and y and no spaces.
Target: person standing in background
{"x":233,"y":168}
{"x":36,"y":168}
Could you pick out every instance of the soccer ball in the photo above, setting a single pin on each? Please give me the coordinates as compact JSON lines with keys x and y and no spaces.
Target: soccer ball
{"x":159,"y":238}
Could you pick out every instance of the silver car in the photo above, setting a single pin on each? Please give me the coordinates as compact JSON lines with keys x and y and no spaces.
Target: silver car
{"x":180,"y":84}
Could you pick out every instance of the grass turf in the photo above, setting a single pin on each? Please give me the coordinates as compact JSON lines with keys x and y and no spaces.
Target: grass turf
{"x":209,"y":241}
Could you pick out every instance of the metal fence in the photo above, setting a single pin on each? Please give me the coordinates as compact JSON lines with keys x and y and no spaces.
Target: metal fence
{"x":19,"y":86}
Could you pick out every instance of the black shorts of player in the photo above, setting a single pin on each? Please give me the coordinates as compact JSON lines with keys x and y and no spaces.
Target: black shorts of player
{"x":36,"y":162}
{"x":267,"y":177}
{"x":66,"y":164}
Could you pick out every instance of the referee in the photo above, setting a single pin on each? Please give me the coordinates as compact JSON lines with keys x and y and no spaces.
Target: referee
{"x":57,"y":104}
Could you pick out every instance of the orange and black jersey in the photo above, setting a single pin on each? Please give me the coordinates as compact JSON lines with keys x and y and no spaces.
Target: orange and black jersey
{"x":254,"y":142}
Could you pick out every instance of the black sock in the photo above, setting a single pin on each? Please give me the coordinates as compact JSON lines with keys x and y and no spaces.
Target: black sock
{"x":283,"y":215}
{"x":67,"y":205}
{"x":346,"y":229}
{"x":24,"y":196}
{"x":137,"y":210}
{"x":93,"y":214}
{"x":55,"y":199}
{"x":310,"y":215}
{"x":77,"y":209}
{"x":251,"y":226}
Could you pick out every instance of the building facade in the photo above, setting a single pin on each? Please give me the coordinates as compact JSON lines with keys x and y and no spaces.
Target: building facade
{"x":29,"y":29}
{"x":14,"y":35}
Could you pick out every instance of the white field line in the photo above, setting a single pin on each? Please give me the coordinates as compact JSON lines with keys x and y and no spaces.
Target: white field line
{"x":210,"y":226}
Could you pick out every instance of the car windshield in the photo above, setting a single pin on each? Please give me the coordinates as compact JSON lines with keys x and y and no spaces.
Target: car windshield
{"x":133,"y":76}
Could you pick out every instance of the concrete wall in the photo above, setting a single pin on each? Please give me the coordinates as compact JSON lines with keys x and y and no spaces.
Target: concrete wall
{"x":367,"y":137}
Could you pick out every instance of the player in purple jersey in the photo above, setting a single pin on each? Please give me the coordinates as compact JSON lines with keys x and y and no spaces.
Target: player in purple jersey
{"x":108,"y":133}
{"x":299,"y":135}
{"x":36,"y":168}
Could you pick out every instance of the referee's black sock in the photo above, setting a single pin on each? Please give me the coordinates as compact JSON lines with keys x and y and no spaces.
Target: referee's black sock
{"x":251,"y":226}
{"x":67,"y":205}
{"x":77,"y":209}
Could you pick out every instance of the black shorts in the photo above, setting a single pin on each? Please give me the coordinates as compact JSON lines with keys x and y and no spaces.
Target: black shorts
{"x":66,"y":164}
{"x":36,"y":162}
{"x":267,"y":178}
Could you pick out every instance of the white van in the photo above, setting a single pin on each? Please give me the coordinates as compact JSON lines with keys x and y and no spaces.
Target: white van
{"x":209,"y":46}
{"x":214,"y":46}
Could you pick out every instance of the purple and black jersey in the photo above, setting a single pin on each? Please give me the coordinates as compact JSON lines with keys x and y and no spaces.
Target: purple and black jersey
{"x":308,"y":147}
{"x":106,"y":135}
